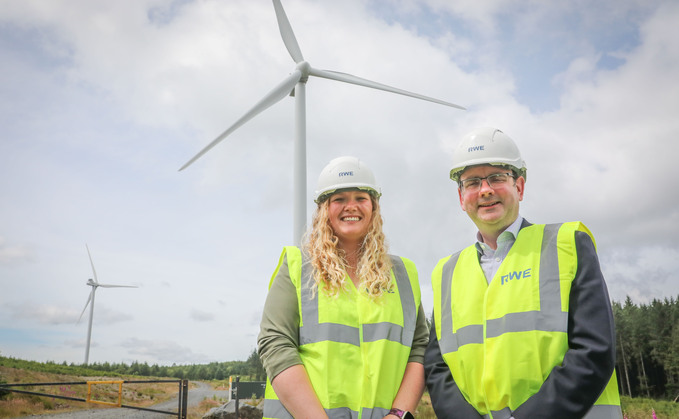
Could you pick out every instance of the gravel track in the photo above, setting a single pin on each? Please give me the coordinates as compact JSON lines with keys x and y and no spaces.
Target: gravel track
{"x":196,"y":395}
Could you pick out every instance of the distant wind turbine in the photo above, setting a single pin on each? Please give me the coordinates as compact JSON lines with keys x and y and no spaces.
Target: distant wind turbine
{"x":295,"y":85}
{"x":94,"y":283}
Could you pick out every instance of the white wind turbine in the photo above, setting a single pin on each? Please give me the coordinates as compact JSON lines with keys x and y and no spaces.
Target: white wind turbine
{"x":295,"y":85}
{"x":94,"y":283}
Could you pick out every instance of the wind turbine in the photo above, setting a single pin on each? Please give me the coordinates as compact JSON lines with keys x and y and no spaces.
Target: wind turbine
{"x":295,"y":85}
{"x":94,"y":283}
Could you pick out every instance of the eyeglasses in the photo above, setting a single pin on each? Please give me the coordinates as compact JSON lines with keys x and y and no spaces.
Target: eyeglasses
{"x":496,"y":180}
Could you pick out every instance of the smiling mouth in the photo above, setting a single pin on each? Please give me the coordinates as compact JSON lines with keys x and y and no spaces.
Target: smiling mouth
{"x":488,"y":204}
{"x":351,"y":218}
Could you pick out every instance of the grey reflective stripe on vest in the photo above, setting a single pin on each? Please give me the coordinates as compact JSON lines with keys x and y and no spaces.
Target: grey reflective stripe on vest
{"x":275,"y":409}
{"x":312,"y":331}
{"x":450,"y":342}
{"x":375,"y":413}
{"x":549,"y":318}
{"x":505,"y":413}
{"x":604,"y":411}
{"x":596,"y":412}
{"x":377,"y":331}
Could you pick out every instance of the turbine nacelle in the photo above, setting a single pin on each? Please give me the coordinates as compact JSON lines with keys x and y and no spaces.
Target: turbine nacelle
{"x":305,"y":69}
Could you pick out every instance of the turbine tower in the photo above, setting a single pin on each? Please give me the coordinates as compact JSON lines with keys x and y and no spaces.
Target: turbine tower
{"x":295,"y":85}
{"x":94,"y":283}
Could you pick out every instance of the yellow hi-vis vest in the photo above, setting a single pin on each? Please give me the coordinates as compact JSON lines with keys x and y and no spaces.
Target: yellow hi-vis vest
{"x":501,"y":340}
{"x":353,"y":348}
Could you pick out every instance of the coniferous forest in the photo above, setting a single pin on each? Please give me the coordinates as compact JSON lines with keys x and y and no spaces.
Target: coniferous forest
{"x":648,"y":348}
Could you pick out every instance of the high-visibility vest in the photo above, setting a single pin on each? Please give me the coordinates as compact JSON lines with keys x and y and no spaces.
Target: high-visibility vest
{"x":354,"y":349}
{"x":501,"y":340}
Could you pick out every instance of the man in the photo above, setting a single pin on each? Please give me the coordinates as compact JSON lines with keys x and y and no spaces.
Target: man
{"x":522,"y":325}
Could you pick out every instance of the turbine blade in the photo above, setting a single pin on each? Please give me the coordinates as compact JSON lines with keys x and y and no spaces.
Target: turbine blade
{"x":86,"y":304}
{"x":92,"y":263}
{"x":348,"y":78}
{"x":286,"y":32}
{"x":274,"y":96}
{"x":117,"y":286}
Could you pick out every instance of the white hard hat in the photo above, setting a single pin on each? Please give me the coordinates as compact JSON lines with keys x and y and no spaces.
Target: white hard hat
{"x":486,"y":146}
{"x":345,"y":172}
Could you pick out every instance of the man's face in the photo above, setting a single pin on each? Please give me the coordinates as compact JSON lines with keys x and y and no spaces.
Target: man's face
{"x":495,"y":208}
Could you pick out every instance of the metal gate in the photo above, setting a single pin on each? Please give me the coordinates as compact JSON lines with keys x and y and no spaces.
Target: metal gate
{"x":182,"y":403}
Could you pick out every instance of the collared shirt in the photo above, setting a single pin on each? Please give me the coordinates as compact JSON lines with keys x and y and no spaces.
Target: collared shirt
{"x":490,"y":259}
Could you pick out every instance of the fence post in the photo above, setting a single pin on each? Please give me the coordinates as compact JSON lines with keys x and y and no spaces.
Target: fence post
{"x":180,"y":399}
{"x":184,"y":399}
{"x":237,"y":381}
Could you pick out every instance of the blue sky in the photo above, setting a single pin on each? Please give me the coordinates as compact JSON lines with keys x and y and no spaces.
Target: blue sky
{"x":102,"y":102}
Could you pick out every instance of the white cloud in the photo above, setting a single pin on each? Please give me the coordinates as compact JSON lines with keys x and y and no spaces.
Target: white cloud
{"x":201,"y":316}
{"x":163,"y":351}
{"x":13,"y":253}
{"x":642,"y":273}
{"x":50,"y":314}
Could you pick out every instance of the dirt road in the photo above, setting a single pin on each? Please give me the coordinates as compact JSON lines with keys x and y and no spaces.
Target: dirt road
{"x":196,"y":395}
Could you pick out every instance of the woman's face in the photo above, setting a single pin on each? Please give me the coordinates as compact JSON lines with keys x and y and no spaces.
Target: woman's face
{"x":350,"y":213}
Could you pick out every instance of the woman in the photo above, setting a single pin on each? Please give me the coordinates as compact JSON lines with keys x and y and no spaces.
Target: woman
{"x":343,"y":332}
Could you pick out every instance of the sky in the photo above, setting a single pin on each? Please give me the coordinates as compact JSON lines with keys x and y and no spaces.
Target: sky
{"x":102,"y":102}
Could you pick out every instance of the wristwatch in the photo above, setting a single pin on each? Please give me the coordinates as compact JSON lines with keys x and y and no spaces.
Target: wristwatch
{"x":403,"y":414}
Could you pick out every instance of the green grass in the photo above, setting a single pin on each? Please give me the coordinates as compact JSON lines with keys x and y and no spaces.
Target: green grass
{"x":641,"y":408}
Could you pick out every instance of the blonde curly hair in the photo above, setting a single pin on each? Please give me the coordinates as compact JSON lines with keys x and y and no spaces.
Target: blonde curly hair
{"x":329,"y":262}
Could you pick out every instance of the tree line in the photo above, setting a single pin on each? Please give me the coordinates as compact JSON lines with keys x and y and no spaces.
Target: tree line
{"x":249,"y":370}
{"x":647,"y":362}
